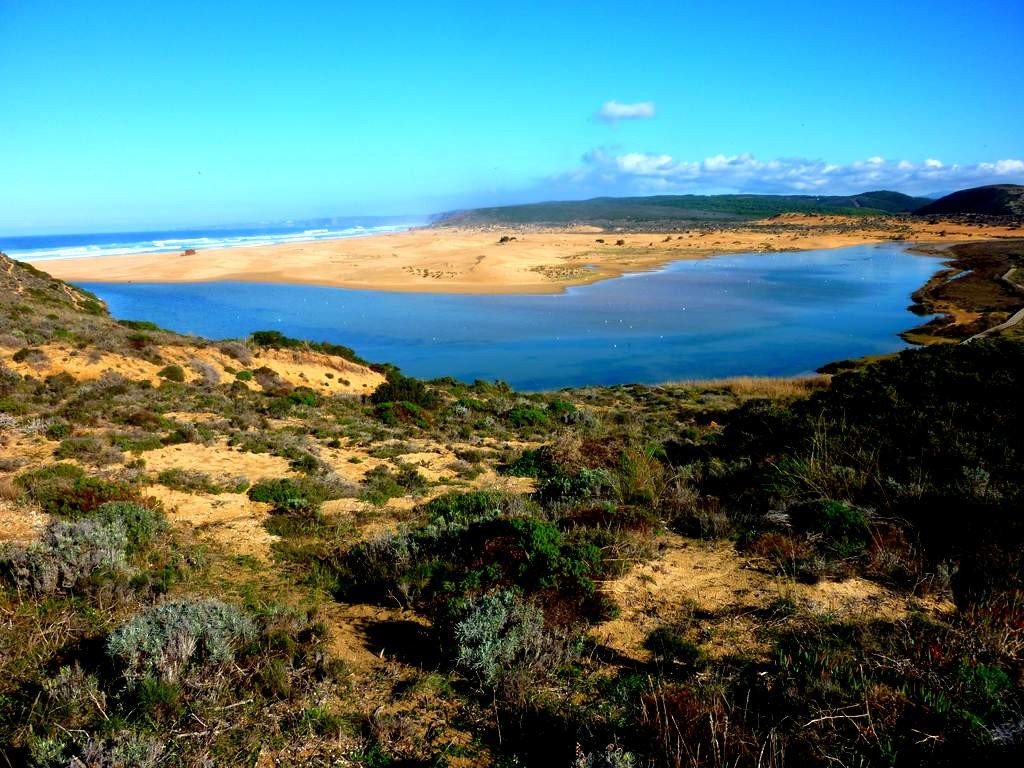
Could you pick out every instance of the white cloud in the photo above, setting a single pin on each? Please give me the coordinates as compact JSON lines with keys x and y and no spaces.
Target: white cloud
{"x":604,"y":171}
{"x":613,"y":111}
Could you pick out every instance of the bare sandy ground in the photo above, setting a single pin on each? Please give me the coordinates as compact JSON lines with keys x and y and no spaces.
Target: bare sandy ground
{"x":713,"y":577}
{"x":324,"y":373}
{"x":447,"y":260}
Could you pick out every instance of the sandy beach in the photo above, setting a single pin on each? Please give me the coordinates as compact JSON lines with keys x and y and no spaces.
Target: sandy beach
{"x":449,"y":260}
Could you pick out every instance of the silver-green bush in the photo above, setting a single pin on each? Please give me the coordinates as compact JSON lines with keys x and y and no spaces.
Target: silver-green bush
{"x":66,"y":555}
{"x":167,"y":638}
{"x":500,"y":632}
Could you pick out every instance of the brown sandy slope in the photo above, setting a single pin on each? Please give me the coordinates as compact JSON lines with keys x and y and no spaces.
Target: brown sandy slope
{"x":324,"y":373}
{"x":447,"y":260}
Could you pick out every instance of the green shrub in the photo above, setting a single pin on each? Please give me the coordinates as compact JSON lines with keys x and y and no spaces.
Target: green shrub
{"x":65,"y":490}
{"x":271,"y":381}
{"x":403,"y":389}
{"x":139,"y":340}
{"x":438,"y":565}
{"x":669,"y":646}
{"x":139,"y":325}
{"x":48,"y":753}
{"x":277,"y":340}
{"x":843,"y":527}
{"x":381,"y":484}
{"x":461,"y":509}
{"x":159,"y":700}
{"x":58,"y":430}
{"x":304,"y":396}
{"x":561,"y":408}
{"x":189,"y":480}
{"x":166,"y":639}
{"x":301,"y":496}
{"x":583,"y":485}
{"x":395,"y":414}
{"x":612,"y":756}
{"x":28,"y":354}
{"x":88,"y":449}
{"x":172,"y":373}
{"x":92,"y":307}
{"x":533,"y":462}
{"x":243,"y":375}
{"x":12,"y":406}
{"x":137,"y":443}
{"x":526,"y":416}
{"x":141,"y":524}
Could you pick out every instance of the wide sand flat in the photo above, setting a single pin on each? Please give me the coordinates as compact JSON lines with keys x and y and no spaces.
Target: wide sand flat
{"x":448,"y":260}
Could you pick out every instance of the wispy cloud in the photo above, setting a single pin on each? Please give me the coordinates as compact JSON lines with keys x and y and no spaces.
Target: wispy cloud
{"x":613,"y":111}
{"x":608,"y":172}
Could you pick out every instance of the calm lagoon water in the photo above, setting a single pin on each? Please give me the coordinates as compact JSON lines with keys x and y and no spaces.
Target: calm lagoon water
{"x":756,"y":314}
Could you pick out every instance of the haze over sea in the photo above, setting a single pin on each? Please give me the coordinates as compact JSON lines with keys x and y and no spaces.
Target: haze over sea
{"x":72,"y":246}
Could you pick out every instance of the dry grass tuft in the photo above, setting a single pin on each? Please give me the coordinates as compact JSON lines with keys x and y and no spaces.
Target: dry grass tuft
{"x":751,"y":387}
{"x":9,"y":491}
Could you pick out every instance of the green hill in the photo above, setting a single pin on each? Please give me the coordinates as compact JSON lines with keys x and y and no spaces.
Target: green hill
{"x":666,"y":209}
{"x":993,"y":200}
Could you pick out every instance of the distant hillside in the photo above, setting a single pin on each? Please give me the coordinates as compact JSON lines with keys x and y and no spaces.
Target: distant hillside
{"x":993,"y":200}
{"x":664,"y":209}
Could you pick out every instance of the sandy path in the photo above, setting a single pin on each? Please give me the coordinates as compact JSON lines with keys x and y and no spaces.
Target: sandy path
{"x":1011,"y":321}
{"x":446,"y":260}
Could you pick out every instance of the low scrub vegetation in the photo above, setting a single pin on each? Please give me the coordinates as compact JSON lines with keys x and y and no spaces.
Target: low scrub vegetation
{"x":731,"y":573}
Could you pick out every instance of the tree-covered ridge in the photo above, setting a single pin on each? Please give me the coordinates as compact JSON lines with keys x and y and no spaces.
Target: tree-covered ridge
{"x":682,"y":208}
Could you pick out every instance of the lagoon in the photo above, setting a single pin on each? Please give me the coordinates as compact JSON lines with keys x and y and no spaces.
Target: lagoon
{"x":763,"y":314}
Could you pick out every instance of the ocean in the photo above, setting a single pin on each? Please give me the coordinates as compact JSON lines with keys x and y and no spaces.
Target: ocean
{"x":75,"y":246}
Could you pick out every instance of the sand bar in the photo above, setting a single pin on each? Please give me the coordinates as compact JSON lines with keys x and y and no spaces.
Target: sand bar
{"x":449,"y":260}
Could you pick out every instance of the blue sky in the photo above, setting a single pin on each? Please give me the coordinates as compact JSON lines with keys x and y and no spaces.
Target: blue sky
{"x":123,"y":116}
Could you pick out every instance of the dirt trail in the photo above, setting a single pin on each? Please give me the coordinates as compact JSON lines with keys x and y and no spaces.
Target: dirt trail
{"x":1013,"y":320}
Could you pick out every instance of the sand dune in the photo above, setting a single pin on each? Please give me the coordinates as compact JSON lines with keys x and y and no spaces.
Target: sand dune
{"x":444,"y":260}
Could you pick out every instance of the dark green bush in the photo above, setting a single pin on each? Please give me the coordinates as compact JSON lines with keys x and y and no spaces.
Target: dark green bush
{"x":139,"y":325}
{"x":844,"y":528}
{"x":172,"y":373}
{"x":382,"y":483}
{"x":403,"y":389}
{"x":141,"y":524}
{"x":88,"y":449}
{"x":66,"y":490}
{"x":300,"y":496}
{"x":461,"y":509}
{"x":277,"y":340}
{"x":526,"y":416}
{"x":438,"y":567}
{"x":671,"y":647}
{"x":394,"y":414}
{"x":58,"y":430}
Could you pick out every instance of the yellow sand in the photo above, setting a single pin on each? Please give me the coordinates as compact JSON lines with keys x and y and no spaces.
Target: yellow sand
{"x":448,"y":260}
{"x":324,"y":373}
